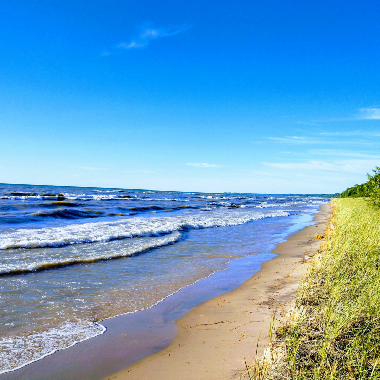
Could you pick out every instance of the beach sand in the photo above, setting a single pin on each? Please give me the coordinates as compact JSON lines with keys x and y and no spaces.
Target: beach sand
{"x":216,"y":337}
{"x":208,"y":341}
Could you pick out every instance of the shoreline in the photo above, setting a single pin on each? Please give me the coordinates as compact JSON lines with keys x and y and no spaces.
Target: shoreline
{"x":134,"y":337}
{"x":215,"y":337}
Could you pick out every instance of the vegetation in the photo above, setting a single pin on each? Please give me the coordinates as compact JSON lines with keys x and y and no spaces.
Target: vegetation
{"x":370,"y":189}
{"x":333,"y":331}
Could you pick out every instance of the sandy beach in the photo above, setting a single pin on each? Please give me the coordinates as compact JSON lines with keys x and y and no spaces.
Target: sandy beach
{"x":216,"y":337}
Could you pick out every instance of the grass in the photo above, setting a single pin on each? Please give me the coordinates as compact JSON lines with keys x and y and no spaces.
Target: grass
{"x":333,"y":331}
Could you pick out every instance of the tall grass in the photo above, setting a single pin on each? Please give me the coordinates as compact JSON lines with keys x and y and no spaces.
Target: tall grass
{"x":333,"y":331}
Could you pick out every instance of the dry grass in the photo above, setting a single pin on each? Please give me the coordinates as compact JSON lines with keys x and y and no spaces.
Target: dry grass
{"x":333,"y":331}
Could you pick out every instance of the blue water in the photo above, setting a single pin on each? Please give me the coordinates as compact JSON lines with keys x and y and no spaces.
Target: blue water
{"x":72,"y":257}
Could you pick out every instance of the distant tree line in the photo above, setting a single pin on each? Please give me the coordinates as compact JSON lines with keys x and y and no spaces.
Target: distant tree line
{"x":369,"y":189}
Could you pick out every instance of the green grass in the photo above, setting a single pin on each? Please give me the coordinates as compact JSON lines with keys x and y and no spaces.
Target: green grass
{"x":333,"y":331}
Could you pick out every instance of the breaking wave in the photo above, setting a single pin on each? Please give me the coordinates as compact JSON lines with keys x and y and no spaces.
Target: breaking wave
{"x":125,"y":228}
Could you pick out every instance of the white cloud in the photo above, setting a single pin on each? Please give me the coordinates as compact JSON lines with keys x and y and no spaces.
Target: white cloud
{"x":295,"y":140}
{"x":203,"y":165}
{"x":148,"y":34}
{"x":308,"y":165}
{"x":332,"y":138}
{"x":331,"y":152}
{"x":352,"y":166}
{"x":131,"y":45}
{"x":344,"y":133}
{"x":369,"y":113}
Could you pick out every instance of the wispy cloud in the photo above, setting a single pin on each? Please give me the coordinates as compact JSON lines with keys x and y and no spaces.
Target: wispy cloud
{"x":369,"y":113}
{"x":202,"y":165}
{"x":308,"y":165}
{"x":307,"y":123}
{"x":331,"y":152}
{"x":353,"y":166}
{"x":335,"y":138}
{"x":363,"y":134}
{"x":149,"y":33}
{"x":295,"y":140}
{"x":344,"y":133}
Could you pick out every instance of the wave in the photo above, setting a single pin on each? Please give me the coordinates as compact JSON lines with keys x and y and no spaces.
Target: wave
{"x":66,"y":213}
{"x":100,"y":196}
{"x":126,"y":228}
{"x":18,"y":351}
{"x":62,"y":203}
{"x":115,"y":195}
{"x":18,"y":195}
{"x":148,"y":208}
{"x":22,"y":195}
{"x":48,"y":260}
{"x":162,"y":208}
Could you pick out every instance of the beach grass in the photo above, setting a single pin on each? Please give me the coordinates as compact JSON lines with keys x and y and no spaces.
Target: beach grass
{"x":333,"y":330}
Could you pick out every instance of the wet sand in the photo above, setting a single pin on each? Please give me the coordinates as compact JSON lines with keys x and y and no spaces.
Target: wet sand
{"x":211,"y":336}
{"x":216,"y":337}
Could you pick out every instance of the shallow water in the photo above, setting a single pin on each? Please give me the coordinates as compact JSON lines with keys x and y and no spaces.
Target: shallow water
{"x":69,"y":260}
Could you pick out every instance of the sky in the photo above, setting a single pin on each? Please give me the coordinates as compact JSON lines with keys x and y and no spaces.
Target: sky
{"x":215,"y":96}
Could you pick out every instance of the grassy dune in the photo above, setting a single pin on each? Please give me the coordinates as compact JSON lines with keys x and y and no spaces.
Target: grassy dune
{"x":333,"y":331}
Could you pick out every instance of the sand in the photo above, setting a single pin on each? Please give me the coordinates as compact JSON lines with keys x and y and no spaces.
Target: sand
{"x":216,"y":337}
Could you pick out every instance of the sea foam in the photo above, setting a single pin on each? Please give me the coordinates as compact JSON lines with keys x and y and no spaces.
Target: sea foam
{"x":126,"y":228}
{"x":26,"y":261}
{"x":18,"y":351}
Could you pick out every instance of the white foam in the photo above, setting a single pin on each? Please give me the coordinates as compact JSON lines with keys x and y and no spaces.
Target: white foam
{"x":18,"y":351}
{"x":126,"y":228}
{"x":25,"y":262}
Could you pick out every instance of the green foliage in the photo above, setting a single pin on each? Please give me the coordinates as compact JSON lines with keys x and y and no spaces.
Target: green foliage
{"x":369,"y":189}
{"x":374,"y":186}
{"x":355,"y":191}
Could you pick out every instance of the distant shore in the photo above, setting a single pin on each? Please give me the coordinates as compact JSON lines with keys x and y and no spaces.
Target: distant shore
{"x":216,"y":337}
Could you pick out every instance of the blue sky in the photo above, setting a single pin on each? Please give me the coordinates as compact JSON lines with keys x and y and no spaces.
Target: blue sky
{"x":245,"y":96}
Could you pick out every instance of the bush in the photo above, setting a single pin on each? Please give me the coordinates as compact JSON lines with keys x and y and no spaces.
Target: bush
{"x":369,"y":189}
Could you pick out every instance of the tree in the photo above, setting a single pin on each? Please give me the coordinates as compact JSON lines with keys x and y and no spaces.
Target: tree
{"x":374,"y":186}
